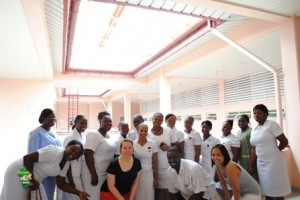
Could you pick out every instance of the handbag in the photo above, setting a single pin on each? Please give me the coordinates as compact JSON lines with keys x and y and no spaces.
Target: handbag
{"x":38,"y":195}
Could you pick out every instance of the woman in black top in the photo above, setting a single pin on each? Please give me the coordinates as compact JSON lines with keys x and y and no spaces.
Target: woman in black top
{"x":122,"y":175}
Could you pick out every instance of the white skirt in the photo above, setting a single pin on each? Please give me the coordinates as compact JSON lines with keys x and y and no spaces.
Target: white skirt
{"x":145,"y":188}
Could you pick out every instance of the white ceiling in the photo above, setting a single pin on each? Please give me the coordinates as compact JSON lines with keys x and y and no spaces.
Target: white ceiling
{"x":28,"y":53}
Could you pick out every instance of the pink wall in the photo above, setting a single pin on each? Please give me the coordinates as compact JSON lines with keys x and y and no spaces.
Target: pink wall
{"x":90,"y":111}
{"x":21,"y":102}
{"x":290,"y":46}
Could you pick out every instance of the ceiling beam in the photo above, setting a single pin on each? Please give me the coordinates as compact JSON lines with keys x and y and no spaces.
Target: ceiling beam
{"x":76,"y":81}
{"x":238,"y":9}
{"x":245,"y":32}
{"x":35,"y":17}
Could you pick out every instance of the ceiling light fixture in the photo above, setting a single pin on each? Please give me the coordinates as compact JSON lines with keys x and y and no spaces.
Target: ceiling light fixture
{"x":112,"y":24}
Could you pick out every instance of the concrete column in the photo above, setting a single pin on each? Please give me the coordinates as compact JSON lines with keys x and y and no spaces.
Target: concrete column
{"x":290,"y":52}
{"x":127,"y":108}
{"x":165,"y":94}
{"x":221,"y":115}
{"x":110,"y":107}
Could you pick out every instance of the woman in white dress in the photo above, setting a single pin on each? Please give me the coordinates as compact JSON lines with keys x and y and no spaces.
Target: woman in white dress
{"x":80,"y":125}
{"x":163,"y":137}
{"x":208,"y":141}
{"x":232,"y":144}
{"x":192,"y":140}
{"x":48,"y":161}
{"x":136,"y":120}
{"x":123,"y":128}
{"x":230,"y":141}
{"x":271,"y":166}
{"x":42,"y":136}
{"x":146,"y":151}
{"x":170,"y":120}
{"x":98,"y":151}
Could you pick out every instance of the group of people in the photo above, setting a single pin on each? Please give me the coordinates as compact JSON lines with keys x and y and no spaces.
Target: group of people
{"x":158,"y":162}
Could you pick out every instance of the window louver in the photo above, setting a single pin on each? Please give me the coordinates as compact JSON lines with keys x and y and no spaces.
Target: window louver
{"x":252,"y":87}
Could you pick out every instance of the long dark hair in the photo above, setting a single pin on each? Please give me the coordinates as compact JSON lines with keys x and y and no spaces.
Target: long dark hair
{"x":224,"y":152}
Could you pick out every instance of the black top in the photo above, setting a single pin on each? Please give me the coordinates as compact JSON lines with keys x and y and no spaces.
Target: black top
{"x":124,"y":180}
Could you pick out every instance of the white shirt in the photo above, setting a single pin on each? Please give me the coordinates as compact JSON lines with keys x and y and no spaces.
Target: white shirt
{"x":206,"y":147}
{"x":117,"y":142}
{"x":230,"y":141}
{"x":48,"y":164}
{"x":190,"y":140}
{"x":76,"y":165}
{"x":179,"y":134}
{"x":103,"y":149}
{"x":133,"y":135}
{"x":166,"y":137}
{"x":144,"y":153}
{"x":74,"y":135}
{"x":191,"y":179}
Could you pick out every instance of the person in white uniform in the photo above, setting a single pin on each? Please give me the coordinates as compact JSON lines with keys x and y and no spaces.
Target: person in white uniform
{"x":187,"y":178}
{"x":243,"y":185}
{"x":170,"y":120}
{"x":133,"y":134}
{"x":123,"y":128}
{"x":192,"y":140}
{"x":48,"y":161}
{"x":42,"y":136}
{"x":163,"y":137}
{"x":271,"y":165}
{"x":146,"y":151}
{"x":230,"y":141}
{"x":80,"y":125}
{"x":99,"y":151}
{"x":232,"y":144}
{"x":208,"y":141}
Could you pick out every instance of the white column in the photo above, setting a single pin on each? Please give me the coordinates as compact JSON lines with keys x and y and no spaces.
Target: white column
{"x":110,"y":108}
{"x":290,"y":53}
{"x":127,"y":108}
{"x":165,"y":94}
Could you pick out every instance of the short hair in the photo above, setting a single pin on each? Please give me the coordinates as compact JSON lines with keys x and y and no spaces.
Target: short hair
{"x":138,"y":116}
{"x":229,"y":121}
{"x":169,"y":115}
{"x":102,"y":114}
{"x":208,"y":123}
{"x":189,"y":117}
{"x":77,"y":119}
{"x":76,"y":142}
{"x":261,"y":107}
{"x":121,"y":123}
{"x":158,"y":114}
{"x":224,"y":152}
{"x":245,"y":116}
{"x":174,"y":149}
{"x":141,"y":124}
{"x":45,"y":113}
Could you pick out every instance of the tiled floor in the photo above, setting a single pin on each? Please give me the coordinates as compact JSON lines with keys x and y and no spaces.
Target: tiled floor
{"x":295,"y":195}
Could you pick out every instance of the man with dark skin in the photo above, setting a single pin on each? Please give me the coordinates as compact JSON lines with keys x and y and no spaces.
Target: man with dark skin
{"x":188,"y":179}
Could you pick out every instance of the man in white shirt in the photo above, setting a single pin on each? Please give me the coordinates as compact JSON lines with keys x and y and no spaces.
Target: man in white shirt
{"x":188,"y":179}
